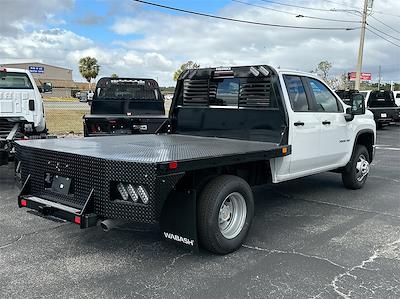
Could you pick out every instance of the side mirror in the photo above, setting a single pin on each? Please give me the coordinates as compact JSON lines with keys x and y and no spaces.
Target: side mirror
{"x":357,"y":101}
{"x":357,"y":106}
{"x":47,"y":87}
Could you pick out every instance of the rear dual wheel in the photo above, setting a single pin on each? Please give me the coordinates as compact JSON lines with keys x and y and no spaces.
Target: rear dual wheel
{"x":225,"y":212}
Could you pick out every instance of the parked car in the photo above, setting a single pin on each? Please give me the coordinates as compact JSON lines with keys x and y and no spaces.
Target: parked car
{"x":397,"y":97}
{"x":229,"y":129}
{"x":21,"y":109}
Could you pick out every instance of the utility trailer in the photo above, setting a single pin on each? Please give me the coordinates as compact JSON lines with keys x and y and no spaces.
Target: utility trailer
{"x":228,"y":129}
{"x":125,"y":106}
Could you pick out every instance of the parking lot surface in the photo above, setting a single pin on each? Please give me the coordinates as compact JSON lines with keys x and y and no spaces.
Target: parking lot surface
{"x":311,"y":238}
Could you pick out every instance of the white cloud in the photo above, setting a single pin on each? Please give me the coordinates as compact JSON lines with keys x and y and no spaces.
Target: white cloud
{"x":16,"y":15}
{"x":165,"y":41}
{"x":213,"y":42}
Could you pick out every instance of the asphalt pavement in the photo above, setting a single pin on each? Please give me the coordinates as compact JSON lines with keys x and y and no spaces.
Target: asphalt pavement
{"x":311,"y":238}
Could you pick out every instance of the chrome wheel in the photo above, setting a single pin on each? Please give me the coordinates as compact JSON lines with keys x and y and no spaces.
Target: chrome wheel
{"x":362,"y":168}
{"x":232,"y":215}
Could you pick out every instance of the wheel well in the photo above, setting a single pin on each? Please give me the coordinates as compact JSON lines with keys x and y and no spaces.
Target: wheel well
{"x":254,"y":173}
{"x":367,"y":139}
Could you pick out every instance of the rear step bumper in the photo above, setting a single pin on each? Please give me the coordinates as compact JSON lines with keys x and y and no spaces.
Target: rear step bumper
{"x":46,"y":207}
{"x":49,"y":208}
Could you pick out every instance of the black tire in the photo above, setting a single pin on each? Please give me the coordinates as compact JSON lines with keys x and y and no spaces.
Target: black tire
{"x":210,"y":201}
{"x":350,"y":173}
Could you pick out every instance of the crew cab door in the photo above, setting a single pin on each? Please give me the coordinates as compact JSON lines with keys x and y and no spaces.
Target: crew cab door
{"x":334,"y":140}
{"x":305,"y":129}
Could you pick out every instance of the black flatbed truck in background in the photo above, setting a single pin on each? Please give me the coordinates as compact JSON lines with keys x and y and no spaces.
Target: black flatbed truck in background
{"x":227,"y":130}
{"x":124,"y":106}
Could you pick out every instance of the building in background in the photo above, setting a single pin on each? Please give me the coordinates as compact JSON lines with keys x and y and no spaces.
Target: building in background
{"x":61,"y":78}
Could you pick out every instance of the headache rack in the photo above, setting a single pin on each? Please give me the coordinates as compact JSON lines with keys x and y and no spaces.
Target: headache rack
{"x":252,"y":93}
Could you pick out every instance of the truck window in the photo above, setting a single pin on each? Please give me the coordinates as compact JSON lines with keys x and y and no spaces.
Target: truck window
{"x":297,"y":93}
{"x":117,"y":89}
{"x":10,"y":80}
{"x":324,"y":99}
{"x":227,"y":93}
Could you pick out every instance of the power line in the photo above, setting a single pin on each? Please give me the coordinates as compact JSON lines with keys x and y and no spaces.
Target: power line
{"x":376,"y":19}
{"x":297,"y":6}
{"x":295,"y":14}
{"x":386,"y":13}
{"x":242,"y":21}
{"x":383,"y":32}
{"x":382,"y":37}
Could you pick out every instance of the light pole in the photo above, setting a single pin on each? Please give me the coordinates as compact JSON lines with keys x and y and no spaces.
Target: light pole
{"x":361,"y":47}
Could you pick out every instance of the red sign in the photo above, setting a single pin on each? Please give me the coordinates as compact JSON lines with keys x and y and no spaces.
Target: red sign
{"x":363,"y":77}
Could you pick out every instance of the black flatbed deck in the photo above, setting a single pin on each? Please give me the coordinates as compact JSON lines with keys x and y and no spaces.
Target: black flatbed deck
{"x":159,"y":149}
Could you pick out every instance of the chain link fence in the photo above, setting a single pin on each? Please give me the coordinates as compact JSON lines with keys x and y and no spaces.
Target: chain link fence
{"x":64,"y":115}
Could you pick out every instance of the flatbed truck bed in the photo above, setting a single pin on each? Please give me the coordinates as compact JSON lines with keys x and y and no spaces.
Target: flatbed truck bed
{"x":228,"y":129}
{"x":161,"y":149}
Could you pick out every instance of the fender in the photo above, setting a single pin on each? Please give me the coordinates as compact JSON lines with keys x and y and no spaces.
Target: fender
{"x":361,"y":132}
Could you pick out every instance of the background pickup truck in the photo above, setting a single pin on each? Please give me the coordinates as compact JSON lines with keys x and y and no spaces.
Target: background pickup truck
{"x":229,"y":129}
{"x":383,"y":106}
{"x":21,"y":109}
{"x":125,"y":106}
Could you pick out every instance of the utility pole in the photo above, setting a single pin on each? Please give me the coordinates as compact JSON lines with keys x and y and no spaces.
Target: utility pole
{"x":379,"y":79}
{"x":361,"y":48}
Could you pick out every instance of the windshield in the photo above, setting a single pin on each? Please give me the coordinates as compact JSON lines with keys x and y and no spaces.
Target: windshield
{"x":10,"y":80}
{"x":127,"y":89}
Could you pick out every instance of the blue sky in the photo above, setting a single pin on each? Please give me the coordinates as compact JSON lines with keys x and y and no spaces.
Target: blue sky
{"x":108,"y":11}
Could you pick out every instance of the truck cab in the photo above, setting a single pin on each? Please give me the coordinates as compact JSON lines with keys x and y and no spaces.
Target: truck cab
{"x":123,"y":106}
{"x":21,"y":109}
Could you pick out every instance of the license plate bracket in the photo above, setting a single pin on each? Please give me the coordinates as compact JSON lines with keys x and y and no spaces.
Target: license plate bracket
{"x":61,"y":185}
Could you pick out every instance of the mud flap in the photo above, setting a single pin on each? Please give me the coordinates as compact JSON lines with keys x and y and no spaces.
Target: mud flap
{"x":178,"y":221}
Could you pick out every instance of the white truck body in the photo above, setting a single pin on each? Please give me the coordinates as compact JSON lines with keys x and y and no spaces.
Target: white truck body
{"x":397,"y":97}
{"x":318,"y":147}
{"x":15,"y":96}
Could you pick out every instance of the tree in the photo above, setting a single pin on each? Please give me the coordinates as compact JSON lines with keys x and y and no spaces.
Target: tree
{"x":340,"y":81}
{"x":185,"y":66}
{"x":114,"y":76}
{"x":89,"y":68}
{"x":323,"y":69}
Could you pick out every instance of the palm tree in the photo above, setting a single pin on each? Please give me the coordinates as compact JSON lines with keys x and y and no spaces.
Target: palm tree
{"x":89,"y":68}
